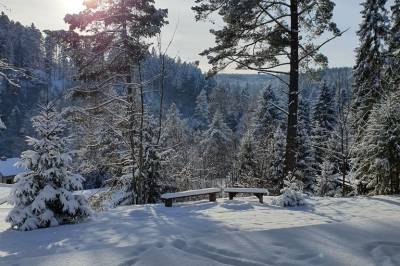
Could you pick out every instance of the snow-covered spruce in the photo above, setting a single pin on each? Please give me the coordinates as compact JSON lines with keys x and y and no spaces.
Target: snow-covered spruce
{"x":292,"y":194}
{"x":202,"y":113}
{"x":43,"y":196}
{"x":377,"y":159}
{"x":368,"y":72}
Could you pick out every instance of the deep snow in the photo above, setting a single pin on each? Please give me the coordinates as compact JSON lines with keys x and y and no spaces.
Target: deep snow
{"x":353,"y":231}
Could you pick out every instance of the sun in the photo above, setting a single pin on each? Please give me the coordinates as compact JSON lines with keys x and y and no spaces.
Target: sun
{"x":74,"y":6}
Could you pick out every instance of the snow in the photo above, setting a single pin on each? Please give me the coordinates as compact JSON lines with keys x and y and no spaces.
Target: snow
{"x":246,"y":190}
{"x":329,"y":231}
{"x":88,"y":192}
{"x":8,"y":168}
{"x":4,"y":192}
{"x":189,"y":193}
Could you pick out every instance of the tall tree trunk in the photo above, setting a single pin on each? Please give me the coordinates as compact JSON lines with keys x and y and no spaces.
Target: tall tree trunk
{"x":162,"y":85}
{"x":131,"y":108}
{"x":290,"y":157}
{"x":141,"y":140}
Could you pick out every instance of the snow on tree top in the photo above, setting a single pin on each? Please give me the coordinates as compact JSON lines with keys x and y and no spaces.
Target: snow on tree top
{"x":8,"y":167}
{"x":190,"y":193}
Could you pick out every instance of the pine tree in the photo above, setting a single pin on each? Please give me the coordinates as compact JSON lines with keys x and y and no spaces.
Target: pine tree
{"x":370,"y":59}
{"x":43,"y":196}
{"x":377,"y":158}
{"x":323,"y":124}
{"x":202,"y":113}
{"x":267,"y":35}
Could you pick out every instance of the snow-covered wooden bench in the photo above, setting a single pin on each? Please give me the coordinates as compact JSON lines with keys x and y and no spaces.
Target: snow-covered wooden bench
{"x":211,"y":192}
{"x":258,"y":192}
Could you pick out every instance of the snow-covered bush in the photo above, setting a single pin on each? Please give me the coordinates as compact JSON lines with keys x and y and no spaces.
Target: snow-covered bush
{"x":43,"y":196}
{"x":292,"y":194}
{"x":118,"y":191}
{"x":327,"y":181}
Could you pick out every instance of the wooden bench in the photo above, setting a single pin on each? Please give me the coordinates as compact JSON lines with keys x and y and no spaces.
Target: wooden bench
{"x":211,"y":192}
{"x":258,"y":192}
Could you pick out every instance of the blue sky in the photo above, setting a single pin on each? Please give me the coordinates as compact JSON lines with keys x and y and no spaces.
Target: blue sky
{"x":191,"y":37}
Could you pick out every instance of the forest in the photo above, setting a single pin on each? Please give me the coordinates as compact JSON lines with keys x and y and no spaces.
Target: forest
{"x":105,"y":107}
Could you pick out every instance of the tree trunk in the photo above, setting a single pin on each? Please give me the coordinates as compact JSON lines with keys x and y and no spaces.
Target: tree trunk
{"x":131,"y":110}
{"x":291,"y":136}
{"x":162,"y":82}
{"x":143,"y":193}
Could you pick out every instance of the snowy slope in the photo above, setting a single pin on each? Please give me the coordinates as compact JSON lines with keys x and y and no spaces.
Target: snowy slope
{"x":356,"y":231}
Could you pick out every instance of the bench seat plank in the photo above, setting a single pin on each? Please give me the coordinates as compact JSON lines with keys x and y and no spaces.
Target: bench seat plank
{"x":190,"y":193}
{"x":247,"y":190}
{"x":258,"y":192}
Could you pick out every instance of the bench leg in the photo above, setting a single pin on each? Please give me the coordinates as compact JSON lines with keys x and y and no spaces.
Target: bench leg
{"x":232,"y":195}
{"x":260,"y":197}
{"x":168,"y":203}
{"x":212,"y":197}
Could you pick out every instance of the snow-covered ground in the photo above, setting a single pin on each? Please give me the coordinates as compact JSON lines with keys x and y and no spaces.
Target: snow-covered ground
{"x":4,"y":192}
{"x":354,"y":231}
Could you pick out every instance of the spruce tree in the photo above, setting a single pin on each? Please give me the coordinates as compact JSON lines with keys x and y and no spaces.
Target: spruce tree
{"x":342,"y":140}
{"x":305,"y":156}
{"x":370,"y":59}
{"x":263,"y":127}
{"x":202,"y":113}
{"x":377,"y":158}
{"x":267,"y":115}
{"x":216,"y":148}
{"x":392,"y":76}
{"x":276,"y":164}
{"x":248,"y":174}
{"x":323,"y":122}
{"x":44,"y":195}
{"x":175,"y":141}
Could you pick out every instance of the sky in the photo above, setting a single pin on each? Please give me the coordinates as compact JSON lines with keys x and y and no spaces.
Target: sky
{"x":191,"y":37}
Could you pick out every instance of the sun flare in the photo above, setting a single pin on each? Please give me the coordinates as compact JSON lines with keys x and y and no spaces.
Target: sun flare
{"x":74,"y":5}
